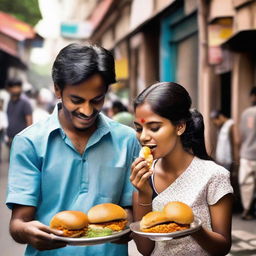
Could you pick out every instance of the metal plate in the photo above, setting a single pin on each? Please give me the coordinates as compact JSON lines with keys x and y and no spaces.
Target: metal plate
{"x":92,"y":241}
{"x":195,"y":225}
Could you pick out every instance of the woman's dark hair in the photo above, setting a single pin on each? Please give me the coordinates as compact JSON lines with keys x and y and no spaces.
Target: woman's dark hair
{"x":172,"y":101}
{"x":76,"y":63}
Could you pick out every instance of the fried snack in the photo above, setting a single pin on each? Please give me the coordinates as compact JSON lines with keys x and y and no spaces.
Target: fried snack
{"x":106,"y":217}
{"x":72,"y":223}
{"x":166,"y":228}
{"x":145,"y":152}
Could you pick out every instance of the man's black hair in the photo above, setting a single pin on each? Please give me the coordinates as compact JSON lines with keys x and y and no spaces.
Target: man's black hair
{"x":14,"y":82}
{"x":253,"y":91}
{"x":76,"y":63}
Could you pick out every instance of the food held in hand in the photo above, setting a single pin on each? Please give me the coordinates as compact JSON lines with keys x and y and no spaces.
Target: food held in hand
{"x":145,"y":152}
{"x":176,"y":216}
{"x":105,"y":217}
{"x":72,"y":223}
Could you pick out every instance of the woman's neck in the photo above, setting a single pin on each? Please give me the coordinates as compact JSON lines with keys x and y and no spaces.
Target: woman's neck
{"x":176,"y":162}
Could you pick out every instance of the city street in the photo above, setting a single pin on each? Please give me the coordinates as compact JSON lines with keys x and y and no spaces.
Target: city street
{"x":243,"y":232}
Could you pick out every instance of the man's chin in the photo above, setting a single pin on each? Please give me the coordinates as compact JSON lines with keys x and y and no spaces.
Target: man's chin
{"x":82,"y":127}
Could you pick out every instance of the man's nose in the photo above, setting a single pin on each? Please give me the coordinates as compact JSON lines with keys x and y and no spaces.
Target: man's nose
{"x":86,"y":109}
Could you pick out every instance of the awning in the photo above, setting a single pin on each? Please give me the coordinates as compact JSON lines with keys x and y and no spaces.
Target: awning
{"x":15,"y":28}
{"x":242,"y":41}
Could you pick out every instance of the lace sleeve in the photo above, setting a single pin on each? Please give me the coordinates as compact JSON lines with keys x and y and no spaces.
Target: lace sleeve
{"x":218,"y":186}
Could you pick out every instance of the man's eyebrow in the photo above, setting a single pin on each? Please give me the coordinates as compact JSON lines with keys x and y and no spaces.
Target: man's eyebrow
{"x":78,"y":97}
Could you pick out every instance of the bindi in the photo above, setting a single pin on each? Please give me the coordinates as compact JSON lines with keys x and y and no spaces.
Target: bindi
{"x":142,"y":120}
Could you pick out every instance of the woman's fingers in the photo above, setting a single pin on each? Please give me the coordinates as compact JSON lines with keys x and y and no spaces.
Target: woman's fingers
{"x":144,"y":179}
{"x":137,"y":168}
{"x":137,"y":161}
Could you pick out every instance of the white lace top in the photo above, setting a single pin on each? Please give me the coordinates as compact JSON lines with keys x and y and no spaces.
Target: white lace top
{"x":203,"y":183}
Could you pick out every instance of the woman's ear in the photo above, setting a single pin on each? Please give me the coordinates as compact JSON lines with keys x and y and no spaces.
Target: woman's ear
{"x":57,"y":91}
{"x":181,"y":128}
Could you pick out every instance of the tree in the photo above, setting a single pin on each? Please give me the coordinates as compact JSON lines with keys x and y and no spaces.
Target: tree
{"x":25,"y":10}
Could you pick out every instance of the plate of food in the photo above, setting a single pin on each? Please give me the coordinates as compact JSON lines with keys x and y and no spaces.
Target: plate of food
{"x":176,"y":220}
{"x":103,"y":223}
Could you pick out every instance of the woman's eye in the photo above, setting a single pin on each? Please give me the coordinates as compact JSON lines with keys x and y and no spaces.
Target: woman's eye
{"x":155,"y":129}
{"x":137,"y":129}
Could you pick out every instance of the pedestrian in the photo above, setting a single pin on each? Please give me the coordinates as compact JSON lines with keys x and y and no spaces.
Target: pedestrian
{"x":3,"y":126}
{"x":226,"y":153}
{"x":181,"y":171}
{"x":247,"y":168}
{"x":19,"y":110}
{"x":39,"y":112}
{"x":226,"y":139}
{"x":73,"y":160}
{"x":121,"y":113}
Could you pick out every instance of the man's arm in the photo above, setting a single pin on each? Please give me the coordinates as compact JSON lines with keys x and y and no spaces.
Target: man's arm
{"x":28,"y":119}
{"x":24,"y":229}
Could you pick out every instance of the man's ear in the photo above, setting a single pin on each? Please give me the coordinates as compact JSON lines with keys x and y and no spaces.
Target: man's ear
{"x":57,"y":91}
{"x":180,"y":128}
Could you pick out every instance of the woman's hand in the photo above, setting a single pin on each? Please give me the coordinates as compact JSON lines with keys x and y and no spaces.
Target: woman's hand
{"x":140,"y":174}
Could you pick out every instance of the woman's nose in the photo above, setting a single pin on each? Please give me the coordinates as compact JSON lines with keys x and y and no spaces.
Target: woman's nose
{"x":144,"y":137}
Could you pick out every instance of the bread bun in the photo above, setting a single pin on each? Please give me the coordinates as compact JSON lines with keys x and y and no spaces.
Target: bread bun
{"x":145,"y":152}
{"x":71,"y":220}
{"x":179,"y":212}
{"x":106,"y":212}
{"x":152,"y":219}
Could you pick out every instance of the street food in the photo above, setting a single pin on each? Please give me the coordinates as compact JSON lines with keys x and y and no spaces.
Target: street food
{"x":146,"y":153}
{"x":72,"y":223}
{"x":176,"y":216}
{"x":105,"y":219}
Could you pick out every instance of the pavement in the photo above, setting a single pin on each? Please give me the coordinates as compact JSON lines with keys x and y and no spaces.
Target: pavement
{"x":243,"y":232}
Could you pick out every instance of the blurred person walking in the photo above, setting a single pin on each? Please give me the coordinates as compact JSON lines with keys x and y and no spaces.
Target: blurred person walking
{"x":3,"y":126}
{"x":224,"y":154}
{"x":247,"y":169}
{"x":19,"y":110}
{"x":40,"y":111}
{"x":121,"y":113}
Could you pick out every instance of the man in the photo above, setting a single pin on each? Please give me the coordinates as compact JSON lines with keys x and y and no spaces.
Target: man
{"x":247,"y":169}
{"x":75,"y":159}
{"x":3,"y":126}
{"x":19,"y":110}
{"x":225,"y":142}
{"x":121,"y":114}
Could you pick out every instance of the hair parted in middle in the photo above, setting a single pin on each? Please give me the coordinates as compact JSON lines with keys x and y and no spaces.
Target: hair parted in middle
{"x":172,"y":101}
{"x":76,"y":63}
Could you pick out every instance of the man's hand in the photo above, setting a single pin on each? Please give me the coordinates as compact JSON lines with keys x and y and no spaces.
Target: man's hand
{"x":41,"y":236}
{"x":24,"y":229}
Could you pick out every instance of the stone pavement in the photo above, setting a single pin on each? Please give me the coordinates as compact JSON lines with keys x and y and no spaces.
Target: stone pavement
{"x":243,"y":232}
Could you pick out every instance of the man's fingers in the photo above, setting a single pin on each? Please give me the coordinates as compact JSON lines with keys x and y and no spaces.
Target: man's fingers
{"x":49,"y":230}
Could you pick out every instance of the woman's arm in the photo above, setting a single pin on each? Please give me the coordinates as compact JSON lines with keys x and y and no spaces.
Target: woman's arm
{"x":24,"y":229}
{"x":218,"y":241}
{"x":142,"y":200}
{"x":145,"y":246}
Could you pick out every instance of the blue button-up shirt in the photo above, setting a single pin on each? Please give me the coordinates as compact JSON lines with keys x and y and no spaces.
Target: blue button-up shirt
{"x":48,"y":173}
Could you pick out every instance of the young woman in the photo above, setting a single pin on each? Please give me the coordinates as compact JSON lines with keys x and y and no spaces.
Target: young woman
{"x":182,"y":171}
